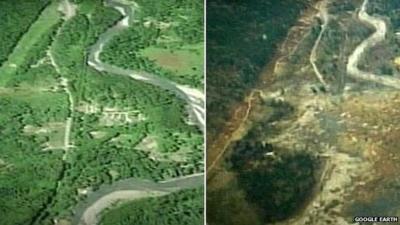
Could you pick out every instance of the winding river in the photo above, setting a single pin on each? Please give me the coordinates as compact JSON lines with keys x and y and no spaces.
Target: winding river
{"x":87,"y":212}
{"x":193,"y":97}
{"x":378,"y":36}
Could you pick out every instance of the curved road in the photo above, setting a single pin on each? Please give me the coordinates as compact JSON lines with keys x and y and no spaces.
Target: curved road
{"x":378,"y":36}
{"x":193,"y":97}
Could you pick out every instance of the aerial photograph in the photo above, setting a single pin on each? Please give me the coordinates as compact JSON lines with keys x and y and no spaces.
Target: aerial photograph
{"x":303,"y":112}
{"x":102,"y":112}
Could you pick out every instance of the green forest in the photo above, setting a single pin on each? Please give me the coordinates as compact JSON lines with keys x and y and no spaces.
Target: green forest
{"x":182,"y":207}
{"x":28,"y":174}
{"x":134,"y":130}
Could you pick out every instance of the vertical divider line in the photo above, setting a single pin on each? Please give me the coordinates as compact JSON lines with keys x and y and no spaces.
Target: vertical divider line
{"x":205,"y":107}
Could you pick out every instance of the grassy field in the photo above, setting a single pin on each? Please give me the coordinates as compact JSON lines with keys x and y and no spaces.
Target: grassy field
{"x":49,"y":18}
{"x":186,"y":61}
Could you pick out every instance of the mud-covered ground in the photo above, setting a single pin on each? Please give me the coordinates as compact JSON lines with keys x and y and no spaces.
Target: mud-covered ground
{"x":310,"y":153}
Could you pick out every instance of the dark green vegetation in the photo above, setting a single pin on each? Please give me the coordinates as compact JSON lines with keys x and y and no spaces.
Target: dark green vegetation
{"x":242,"y":37}
{"x":16,"y":16}
{"x":28,"y":173}
{"x":277,"y":188}
{"x":388,"y":8}
{"x":135,"y":130}
{"x":267,"y":188}
{"x":183,"y":208}
{"x":270,"y":183}
{"x":165,"y":39}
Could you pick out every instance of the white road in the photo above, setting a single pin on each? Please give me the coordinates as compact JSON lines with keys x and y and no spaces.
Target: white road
{"x":323,"y":14}
{"x":378,"y":36}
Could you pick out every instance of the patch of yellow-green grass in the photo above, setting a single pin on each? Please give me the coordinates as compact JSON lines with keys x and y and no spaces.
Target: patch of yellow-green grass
{"x":46,"y":99}
{"x":38,"y":99}
{"x":186,"y":60}
{"x":18,"y":93}
{"x":52,"y":133}
{"x":48,"y":18}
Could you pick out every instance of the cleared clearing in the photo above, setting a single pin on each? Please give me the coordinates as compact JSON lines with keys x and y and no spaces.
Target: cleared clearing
{"x":49,"y":17}
{"x":186,"y":60}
